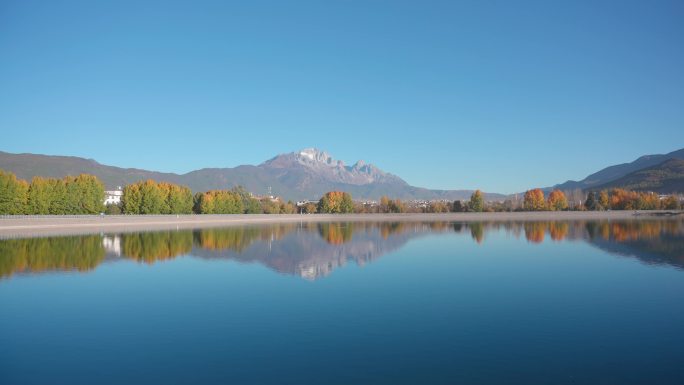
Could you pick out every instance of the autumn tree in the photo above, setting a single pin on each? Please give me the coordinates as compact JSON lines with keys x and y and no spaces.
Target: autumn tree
{"x":438,"y":207}
{"x":476,"y":201}
{"x":13,"y":194}
{"x":310,"y":208}
{"x":269,"y":207}
{"x":534,"y":200}
{"x":219,"y":202}
{"x":384,"y":204}
{"x":336,"y":202}
{"x":621,"y":199}
{"x":557,"y":201}
{"x":151,"y":197}
{"x":603,"y":201}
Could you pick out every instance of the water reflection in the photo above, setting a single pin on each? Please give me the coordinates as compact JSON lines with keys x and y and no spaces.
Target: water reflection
{"x":79,"y":253}
{"x":315,"y":250}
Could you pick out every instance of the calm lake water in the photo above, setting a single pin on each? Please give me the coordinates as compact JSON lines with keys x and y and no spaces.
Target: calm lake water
{"x":348,"y":303}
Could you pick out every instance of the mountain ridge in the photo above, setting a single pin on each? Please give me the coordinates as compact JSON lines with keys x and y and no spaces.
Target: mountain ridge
{"x":664,"y":178}
{"x":614,"y":172}
{"x":304,"y":174}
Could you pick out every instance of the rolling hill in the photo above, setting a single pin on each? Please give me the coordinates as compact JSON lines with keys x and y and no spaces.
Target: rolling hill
{"x":613,"y":173}
{"x":664,"y":178}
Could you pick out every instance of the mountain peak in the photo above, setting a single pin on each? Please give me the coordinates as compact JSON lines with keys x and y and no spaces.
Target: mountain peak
{"x":318,"y":164}
{"x":315,"y":155}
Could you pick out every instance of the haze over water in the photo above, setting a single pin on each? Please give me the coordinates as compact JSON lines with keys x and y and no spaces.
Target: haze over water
{"x":499,"y":302}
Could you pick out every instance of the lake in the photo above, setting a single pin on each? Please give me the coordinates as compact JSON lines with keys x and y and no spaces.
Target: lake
{"x":578,"y":302}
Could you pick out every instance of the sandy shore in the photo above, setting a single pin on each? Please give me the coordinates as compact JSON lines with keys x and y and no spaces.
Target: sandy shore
{"x":27,"y":226}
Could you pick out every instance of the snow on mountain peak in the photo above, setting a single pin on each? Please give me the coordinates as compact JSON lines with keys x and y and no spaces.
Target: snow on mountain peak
{"x":320,"y":163}
{"x":311,"y":152}
{"x":309,"y":155}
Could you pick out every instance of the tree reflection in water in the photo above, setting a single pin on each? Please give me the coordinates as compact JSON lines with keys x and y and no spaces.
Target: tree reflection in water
{"x":314,"y":250}
{"x":77,"y":253}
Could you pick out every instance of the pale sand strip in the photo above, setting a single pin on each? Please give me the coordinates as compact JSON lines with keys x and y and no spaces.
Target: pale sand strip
{"x":27,"y":226}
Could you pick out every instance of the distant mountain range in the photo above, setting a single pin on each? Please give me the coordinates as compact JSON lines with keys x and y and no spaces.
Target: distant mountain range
{"x":649,"y":172}
{"x":309,"y":173}
{"x":305,"y":174}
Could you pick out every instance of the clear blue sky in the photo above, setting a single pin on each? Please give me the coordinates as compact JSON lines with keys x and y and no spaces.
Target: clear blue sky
{"x":497,"y":95}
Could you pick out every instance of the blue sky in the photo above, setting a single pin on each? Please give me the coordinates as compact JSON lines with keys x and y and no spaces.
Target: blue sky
{"x":501,"y":96}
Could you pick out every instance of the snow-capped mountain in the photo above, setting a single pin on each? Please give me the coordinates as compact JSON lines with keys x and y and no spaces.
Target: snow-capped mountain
{"x":322,"y":165}
{"x":304,"y":174}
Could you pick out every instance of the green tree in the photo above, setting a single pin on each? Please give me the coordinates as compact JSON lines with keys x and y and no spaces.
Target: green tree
{"x":671,"y":203}
{"x":476,"y":201}
{"x":396,"y":206}
{"x":178,"y":199}
{"x":152,"y":198}
{"x":39,"y":196}
{"x":252,"y":206}
{"x":58,"y":195}
{"x":13,"y":194}
{"x":113,"y":209}
{"x":249,"y":203}
{"x":204,"y":203}
{"x":227,"y":202}
{"x":437,"y":207}
{"x":84,"y":195}
{"x":131,"y":198}
{"x":591,"y":203}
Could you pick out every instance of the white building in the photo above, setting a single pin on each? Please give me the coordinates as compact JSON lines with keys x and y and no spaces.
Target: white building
{"x":113,"y":197}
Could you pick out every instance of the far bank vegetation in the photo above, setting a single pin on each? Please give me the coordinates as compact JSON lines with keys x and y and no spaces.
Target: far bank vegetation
{"x":84,"y":194}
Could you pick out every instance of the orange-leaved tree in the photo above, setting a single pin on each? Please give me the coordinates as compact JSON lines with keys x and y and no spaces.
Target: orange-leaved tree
{"x":336,"y":202}
{"x":557,"y":201}
{"x":534,"y":200}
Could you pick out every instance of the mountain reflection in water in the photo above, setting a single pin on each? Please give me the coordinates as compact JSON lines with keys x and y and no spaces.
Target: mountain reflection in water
{"x":315,"y":250}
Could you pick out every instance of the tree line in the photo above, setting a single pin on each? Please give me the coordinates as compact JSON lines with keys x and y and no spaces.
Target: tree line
{"x":620,"y":199}
{"x":151,"y":197}
{"x":556,"y":200}
{"x":83,"y":194}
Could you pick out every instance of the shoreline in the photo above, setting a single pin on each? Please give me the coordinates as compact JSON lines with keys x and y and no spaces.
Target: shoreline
{"x":31,"y":226}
